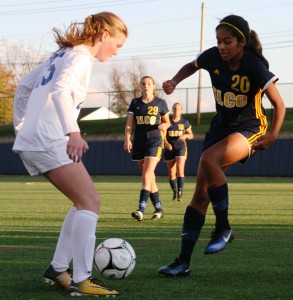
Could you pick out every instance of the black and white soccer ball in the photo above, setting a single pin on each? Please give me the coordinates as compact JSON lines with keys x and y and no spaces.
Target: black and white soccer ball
{"x":114,"y":258}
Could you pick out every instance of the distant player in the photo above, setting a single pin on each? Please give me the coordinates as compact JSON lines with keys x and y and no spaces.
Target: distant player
{"x":150,"y":116}
{"x":176,"y":150}
{"x":240,"y":76}
{"x":46,"y":106}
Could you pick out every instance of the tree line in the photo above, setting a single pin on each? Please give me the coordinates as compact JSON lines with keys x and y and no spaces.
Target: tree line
{"x":16,"y":62}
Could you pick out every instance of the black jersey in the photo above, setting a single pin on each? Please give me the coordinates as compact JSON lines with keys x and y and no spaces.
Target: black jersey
{"x":238,"y":94}
{"x":176,"y":130}
{"x":147,"y":117}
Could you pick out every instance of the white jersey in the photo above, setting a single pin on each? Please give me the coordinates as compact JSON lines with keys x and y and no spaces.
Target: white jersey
{"x":48,"y":100}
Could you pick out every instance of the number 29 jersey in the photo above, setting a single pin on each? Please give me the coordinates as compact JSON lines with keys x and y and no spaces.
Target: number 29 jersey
{"x":147,"y":117}
{"x":238,"y":94}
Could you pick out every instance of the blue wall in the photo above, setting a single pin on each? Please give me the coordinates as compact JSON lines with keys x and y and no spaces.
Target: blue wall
{"x":108,"y":158}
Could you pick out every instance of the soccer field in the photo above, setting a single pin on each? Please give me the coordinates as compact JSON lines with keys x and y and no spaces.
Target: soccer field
{"x":258,"y":264}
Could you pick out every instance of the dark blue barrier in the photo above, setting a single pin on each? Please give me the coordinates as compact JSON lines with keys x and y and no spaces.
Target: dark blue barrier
{"x":108,"y":158}
{"x":10,"y":162}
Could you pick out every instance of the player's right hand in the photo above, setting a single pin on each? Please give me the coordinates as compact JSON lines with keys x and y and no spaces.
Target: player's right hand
{"x":168,"y":146}
{"x":127,"y":146}
{"x":169,"y":86}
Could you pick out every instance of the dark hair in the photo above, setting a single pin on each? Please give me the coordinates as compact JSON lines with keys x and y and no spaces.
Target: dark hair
{"x":239,"y":28}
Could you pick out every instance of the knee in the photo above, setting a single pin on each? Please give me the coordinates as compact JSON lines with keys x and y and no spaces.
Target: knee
{"x":144,"y":179}
{"x":200,"y":200}
{"x":172,"y":174}
{"x":180,"y":173}
{"x":94,"y":202}
{"x":90,"y":201}
{"x":206,"y":161}
{"x":201,"y":194}
{"x":148,"y":177}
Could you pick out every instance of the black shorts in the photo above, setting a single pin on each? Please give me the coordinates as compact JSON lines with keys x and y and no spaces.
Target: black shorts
{"x":251,"y":135}
{"x":179,"y":148}
{"x":218,"y":131}
{"x":152,"y":148}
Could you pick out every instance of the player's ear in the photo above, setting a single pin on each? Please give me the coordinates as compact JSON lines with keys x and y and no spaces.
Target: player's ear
{"x":243,"y":42}
{"x":104,"y":35}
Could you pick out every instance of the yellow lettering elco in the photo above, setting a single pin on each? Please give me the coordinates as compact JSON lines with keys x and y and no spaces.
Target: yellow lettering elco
{"x":230,"y":99}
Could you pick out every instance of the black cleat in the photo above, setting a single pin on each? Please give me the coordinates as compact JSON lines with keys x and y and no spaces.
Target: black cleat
{"x":175,"y":269}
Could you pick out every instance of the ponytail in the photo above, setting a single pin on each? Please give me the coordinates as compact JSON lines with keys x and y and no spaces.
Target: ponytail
{"x":255,"y":47}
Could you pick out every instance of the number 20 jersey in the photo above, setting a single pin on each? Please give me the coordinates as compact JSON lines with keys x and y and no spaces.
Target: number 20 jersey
{"x":238,"y":94}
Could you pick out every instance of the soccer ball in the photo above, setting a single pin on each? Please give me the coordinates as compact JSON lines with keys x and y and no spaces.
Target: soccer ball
{"x":114,"y":258}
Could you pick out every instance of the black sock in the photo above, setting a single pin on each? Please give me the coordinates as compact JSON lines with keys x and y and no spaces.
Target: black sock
{"x":192,"y":225}
{"x":173,"y":184}
{"x":219,"y":199}
{"x":155,"y":198}
{"x":143,"y":200}
{"x":180,"y":183}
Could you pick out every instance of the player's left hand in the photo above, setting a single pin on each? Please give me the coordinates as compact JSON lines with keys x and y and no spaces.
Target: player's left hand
{"x":262,"y":142}
{"x":163,"y":126}
{"x":76,"y":146}
{"x":168,"y":146}
{"x":182,"y":138}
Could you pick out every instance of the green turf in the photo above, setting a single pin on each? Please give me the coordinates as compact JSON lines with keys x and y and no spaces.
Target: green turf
{"x":257,"y":265}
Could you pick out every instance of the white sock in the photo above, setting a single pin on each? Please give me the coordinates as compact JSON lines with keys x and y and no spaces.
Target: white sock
{"x":63,"y":252}
{"x":83,"y":243}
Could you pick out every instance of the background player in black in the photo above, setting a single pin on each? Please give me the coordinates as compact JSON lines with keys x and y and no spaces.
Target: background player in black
{"x":176,"y":150}
{"x":150,"y":115}
{"x":240,"y":76}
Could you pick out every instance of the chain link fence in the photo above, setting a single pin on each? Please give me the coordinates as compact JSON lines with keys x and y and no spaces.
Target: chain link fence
{"x":193,"y":101}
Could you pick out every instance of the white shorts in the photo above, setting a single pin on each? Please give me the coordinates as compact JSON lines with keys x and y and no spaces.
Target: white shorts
{"x":39,"y":162}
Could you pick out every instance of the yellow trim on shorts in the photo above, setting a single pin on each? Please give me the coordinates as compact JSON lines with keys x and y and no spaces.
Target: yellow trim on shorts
{"x":162,"y":137}
{"x":159,"y":153}
{"x":160,"y":149}
{"x":261,"y":117}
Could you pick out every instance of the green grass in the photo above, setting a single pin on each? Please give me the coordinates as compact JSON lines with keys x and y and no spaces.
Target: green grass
{"x":116,"y":126}
{"x":257,"y":265}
